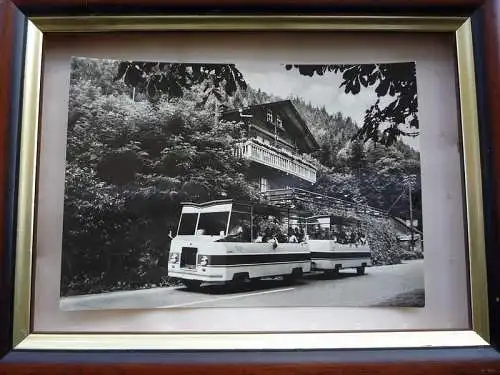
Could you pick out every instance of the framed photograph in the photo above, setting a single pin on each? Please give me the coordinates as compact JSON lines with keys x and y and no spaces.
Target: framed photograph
{"x":250,"y":186}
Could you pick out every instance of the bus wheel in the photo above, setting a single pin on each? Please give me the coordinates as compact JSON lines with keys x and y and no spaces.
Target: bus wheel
{"x":360,"y":270}
{"x":192,"y":284}
{"x":239,"y":280}
{"x":241,"y":277}
{"x":296,"y":274}
{"x":331,"y":273}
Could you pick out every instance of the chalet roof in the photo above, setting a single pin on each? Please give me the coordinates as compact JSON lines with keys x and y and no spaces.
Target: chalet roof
{"x":291,"y":119}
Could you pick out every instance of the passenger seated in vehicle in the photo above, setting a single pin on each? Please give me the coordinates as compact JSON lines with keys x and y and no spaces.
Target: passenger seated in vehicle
{"x":259,"y":238}
{"x":342,"y":238}
{"x":281,"y":237}
{"x":333,"y":236}
{"x":274,"y":241}
{"x":240,"y":233}
{"x":352,"y":238}
{"x":270,"y":237}
{"x":235,"y":231}
{"x":291,"y":236}
{"x":267,"y":235}
{"x":301,"y":234}
{"x":246,"y":234}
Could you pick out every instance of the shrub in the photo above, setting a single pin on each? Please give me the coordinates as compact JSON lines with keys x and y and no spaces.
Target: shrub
{"x":384,"y":243}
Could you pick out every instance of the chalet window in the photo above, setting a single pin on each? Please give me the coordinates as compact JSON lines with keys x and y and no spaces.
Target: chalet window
{"x":269,"y":116}
{"x":279,"y":124}
{"x":264,"y":186}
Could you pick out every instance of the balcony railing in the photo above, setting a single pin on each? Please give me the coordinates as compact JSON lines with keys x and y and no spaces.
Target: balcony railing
{"x":278,"y":159}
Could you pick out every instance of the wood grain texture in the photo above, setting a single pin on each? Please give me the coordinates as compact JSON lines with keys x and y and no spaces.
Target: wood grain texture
{"x":75,"y":6}
{"x":6,"y":66}
{"x":491,"y":112}
{"x":23,"y":4}
{"x":460,"y":361}
{"x":410,"y":368}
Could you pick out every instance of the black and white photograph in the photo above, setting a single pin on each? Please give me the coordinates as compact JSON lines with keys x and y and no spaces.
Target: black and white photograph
{"x":241,"y":184}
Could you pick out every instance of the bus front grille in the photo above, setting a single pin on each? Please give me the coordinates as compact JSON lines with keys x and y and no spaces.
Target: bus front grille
{"x":188,"y":257}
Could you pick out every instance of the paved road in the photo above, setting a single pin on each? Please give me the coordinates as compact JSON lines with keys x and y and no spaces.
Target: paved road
{"x":380,"y":285}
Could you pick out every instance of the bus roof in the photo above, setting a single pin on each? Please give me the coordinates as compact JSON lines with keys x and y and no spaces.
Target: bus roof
{"x":255,"y":207}
{"x":335,"y":218}
{"x":209,"y":203}
{"x":263,"y":208}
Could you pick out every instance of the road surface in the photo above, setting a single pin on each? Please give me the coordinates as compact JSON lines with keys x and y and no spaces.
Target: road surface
{"x":380,"y":285}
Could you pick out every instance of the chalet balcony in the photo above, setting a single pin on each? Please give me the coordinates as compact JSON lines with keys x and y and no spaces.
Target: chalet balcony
{"x":279,"y":159}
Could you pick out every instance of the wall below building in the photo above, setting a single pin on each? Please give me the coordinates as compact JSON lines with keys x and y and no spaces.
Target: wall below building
{"x":274,"y":179}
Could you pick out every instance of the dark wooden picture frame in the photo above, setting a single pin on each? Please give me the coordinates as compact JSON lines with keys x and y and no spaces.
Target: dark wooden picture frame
{"x":485,"y":15}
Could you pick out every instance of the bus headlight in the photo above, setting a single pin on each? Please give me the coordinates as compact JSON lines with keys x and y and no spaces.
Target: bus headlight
{"x":203,"y":261}
{"x":174,"y":258}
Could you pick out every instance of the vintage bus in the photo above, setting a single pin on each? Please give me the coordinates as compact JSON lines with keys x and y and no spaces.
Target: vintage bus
{"x":337,"y":242}
{"x":226,"y":241}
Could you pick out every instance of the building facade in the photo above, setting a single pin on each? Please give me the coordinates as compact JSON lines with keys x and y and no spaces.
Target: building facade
{"x":278,"y":144}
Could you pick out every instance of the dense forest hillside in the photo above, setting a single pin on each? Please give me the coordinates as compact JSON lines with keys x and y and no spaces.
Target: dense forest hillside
{"x":133,"y":157}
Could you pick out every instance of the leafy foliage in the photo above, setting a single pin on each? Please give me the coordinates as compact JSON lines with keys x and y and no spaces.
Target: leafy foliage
{"x":173,"y":79}
{"x":384,"y":244}
{"x":381,"y":124}
{"x":398,"y":80}
{"x":129,"y":165}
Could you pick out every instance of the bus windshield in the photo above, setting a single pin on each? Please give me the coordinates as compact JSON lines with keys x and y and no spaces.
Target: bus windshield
{"x":187,"y":225}
{"x":212,"y":223}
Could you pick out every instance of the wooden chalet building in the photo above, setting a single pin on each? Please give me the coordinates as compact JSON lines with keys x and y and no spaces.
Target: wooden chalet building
{"x":278,"y":144}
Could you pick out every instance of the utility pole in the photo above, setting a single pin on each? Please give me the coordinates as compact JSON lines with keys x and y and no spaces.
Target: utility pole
{"x":411,"y":216}
{"x":216,"y":117}
{"x":410,"y":180}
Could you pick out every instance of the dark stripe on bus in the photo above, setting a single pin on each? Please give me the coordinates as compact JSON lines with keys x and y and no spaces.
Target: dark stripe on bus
{"x":340,"y":255}
{"x":219,"y":260}
{"x":253,"y":264}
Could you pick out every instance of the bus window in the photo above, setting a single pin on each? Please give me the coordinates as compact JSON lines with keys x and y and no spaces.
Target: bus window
{"x":187,"y":225}
{"x":314,"y":231}
{"x":268,"y":227}
{"x":349,"y":233}
{"x":212,"y":223}
{"x":239,"y":227}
